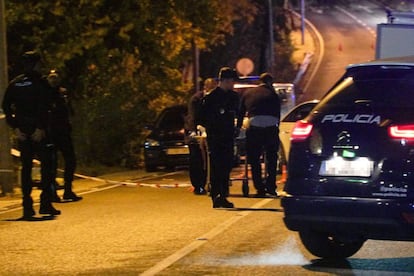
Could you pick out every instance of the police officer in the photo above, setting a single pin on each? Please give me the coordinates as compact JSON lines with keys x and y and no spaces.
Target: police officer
{"x":262,"y":106}
{"x":60,"y":131}
{"x":219,"y":110}
{"x":25,"y":105}
{"x":197,"y":147}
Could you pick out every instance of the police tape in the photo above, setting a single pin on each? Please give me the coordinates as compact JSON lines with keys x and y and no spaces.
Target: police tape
{"x":173,"y":185}
{"x":131,"y":183}
{"x":135,"y":184}
{"x":128,"y":183}
{"x":16,"y":153}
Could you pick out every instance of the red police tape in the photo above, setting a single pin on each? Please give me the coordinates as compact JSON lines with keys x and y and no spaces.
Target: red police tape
{"x":16,"y":153}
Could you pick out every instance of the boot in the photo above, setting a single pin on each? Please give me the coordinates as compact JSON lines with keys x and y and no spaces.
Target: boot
{"x":28,"y":211}
{"x":56,"y":198}
{"x":222,"y":202}
{"x":71,"y":196}
{"x":48,"y":209}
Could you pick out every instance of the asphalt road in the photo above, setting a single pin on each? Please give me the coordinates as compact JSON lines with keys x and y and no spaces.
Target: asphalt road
{"x":158,"y":229}
{"x":153,"y":224}
{"x":348,"y":36}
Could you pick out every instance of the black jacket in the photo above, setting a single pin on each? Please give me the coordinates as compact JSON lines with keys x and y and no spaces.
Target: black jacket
{"x":219,"y":109}
{"x":194,"y":109}
{"x":60,"y":111}
{"x":25,"y":103}
{"x":260,"y":100}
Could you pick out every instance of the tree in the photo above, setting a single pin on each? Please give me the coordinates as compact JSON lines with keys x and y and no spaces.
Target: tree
{"x":121,"y":59}
{"x":249,"y":38}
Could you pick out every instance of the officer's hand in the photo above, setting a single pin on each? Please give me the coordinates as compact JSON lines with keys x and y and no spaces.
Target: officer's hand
{"x":20,"y":135}
{"x":38,"y":135}
{"x":193,"y":134}
{"x":201,"y":129}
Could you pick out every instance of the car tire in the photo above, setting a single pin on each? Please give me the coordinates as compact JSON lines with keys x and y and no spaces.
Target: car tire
{"x":326,"y":246}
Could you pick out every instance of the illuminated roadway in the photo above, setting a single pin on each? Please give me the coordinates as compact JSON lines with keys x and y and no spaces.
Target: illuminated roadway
{"x":153,"y":224}
{"x":348,"y":36}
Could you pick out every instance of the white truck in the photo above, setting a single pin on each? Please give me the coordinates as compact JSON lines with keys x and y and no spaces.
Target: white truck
{"x":394,"y":40}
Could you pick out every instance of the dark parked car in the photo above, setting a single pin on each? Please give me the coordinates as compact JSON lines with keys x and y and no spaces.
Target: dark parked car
{"x":165,"y":145}
{"x":351,"y":162}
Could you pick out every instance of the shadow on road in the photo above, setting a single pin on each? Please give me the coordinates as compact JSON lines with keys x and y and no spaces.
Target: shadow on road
{"x":43,"y":218}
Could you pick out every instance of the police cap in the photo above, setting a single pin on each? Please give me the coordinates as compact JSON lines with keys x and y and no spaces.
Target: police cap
{"x":228,"y":73}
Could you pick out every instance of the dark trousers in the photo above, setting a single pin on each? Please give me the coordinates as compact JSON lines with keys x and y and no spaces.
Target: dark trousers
{"x":258,"y":141}
{"x":221,"y":163}
{"x":197,"y":166}
{"x":63,"y":143}
{"x":28,"y":151}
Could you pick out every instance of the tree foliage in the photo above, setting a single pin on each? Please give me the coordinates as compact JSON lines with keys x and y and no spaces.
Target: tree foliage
{"x":122,"y":60}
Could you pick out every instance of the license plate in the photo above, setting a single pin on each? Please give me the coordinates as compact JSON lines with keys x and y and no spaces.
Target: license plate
{"x":175,"y":151}
{"x":339,"y":166}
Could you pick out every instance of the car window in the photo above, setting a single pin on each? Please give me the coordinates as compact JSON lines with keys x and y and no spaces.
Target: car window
{"x":172,"y":119}
{"x":389,"y":88}
{"x":299,"y":113}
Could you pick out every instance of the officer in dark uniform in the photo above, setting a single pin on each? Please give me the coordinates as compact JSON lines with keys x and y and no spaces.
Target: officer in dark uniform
{"x":25,"y":105}
{"x":262,"y":106}
{"x":219,"y":110}
{"x":197,"y":147}
{"x":60,"y":130}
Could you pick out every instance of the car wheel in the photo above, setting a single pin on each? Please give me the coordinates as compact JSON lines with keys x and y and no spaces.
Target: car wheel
{"x":327,"y":246}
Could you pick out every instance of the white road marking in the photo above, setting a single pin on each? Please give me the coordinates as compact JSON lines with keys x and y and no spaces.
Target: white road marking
{"x":163,"y":264}
{"x":363,"y":24}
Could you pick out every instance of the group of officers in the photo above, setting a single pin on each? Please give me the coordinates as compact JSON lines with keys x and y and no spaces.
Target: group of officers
{"x":216,"y":109}
{"x":36,"y":107}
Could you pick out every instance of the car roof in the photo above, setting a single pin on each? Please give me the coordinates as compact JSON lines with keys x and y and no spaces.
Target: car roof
{"x":397,"y":61}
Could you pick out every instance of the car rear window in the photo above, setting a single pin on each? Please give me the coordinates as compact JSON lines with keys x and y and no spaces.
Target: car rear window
{"x":172,"y":119}
{"x":299,"y":113}
{"x":382,"y":86}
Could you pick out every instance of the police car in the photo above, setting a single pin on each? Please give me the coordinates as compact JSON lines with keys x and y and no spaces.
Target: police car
{"x":351,"y":162}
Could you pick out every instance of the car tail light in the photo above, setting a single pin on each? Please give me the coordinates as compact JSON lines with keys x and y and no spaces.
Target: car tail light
{"x":301,"y":131}
{"x":403,"y":132}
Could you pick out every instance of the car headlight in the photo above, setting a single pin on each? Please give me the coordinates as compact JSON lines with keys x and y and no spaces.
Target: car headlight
{"x":151,"y":143}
